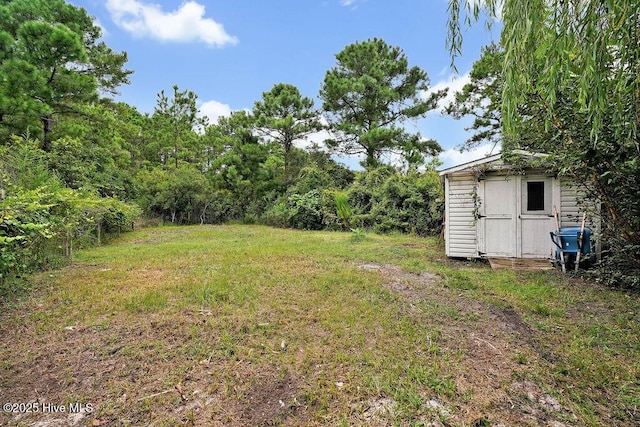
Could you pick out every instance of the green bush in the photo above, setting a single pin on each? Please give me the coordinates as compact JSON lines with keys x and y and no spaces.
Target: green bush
{"x":117,"y":216}
{"x":619,"y":267}
{"x":329,"y":214}
{"x":219,"y":207}
{"x":31,"y":218}
{"x":25,"y":223}
{"x":305,"y":211}
{"x":311,"y":178}
{"x":386,"y":200}
{"x":277,"y":215}
{"x":172,"y":194}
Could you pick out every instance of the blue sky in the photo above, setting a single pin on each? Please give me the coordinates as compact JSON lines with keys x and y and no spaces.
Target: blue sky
{"x":230,"y":52}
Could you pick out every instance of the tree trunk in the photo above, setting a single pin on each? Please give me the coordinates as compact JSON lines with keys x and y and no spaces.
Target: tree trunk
{"x":68,"y":244}
{"x":203,"y":214}
{"x":47,"y":119}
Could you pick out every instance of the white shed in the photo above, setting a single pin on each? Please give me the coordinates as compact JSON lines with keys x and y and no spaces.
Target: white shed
{"x":493,"y":209}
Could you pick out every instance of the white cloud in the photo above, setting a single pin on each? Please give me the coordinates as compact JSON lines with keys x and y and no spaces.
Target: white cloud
{"x":214,"y":110}
{"x":352,"y":4}
{"x":315,"y":138}
{"x":453,"y":156}
{"x":185,"y":24}
{"x":455,"y":84}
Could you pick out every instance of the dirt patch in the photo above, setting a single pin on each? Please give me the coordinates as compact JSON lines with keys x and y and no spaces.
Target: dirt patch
{"x":492,"y":351}
{"x":374,"y":411}
{"x":410,"y":285}
{"x":527,"y":401}
{"x":269,"y":400}
{"x":119,"y":366}
{"x":507,"y":319}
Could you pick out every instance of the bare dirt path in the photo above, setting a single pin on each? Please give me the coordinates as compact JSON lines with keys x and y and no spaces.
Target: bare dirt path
{"x":493,"y":343}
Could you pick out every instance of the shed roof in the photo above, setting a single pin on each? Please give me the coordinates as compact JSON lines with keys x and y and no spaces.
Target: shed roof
{"x":493,"y":162}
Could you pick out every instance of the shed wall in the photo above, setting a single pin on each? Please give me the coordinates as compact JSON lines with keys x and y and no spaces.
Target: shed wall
{"x":460,"y":224}
{"x":570,"y":211}
{"x":572,"y":206}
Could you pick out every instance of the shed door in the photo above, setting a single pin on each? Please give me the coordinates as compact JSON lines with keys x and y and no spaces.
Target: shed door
{"x":536,"y":217}
{"x":515,"y":217}
{"x":497,"y":224}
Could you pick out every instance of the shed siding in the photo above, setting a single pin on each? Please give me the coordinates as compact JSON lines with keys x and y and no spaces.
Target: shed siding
{"x":460,"y":227}
{"x":573,"y":204}
{"x":570,"y":211}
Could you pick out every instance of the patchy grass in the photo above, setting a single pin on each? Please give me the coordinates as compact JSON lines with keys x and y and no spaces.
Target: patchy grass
{"x":248,"y":325}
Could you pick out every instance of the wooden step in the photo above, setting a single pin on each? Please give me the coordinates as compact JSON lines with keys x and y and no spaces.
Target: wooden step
{"x":521,"y":264}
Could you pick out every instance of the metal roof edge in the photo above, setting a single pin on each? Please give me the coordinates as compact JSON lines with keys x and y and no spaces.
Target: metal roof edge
{"x":467,"y":165}
{"x":489,"y":159}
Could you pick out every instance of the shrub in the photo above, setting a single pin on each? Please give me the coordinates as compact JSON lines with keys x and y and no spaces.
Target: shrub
{"x":173,"y":193}
{"x":305,"y":211}
{"x":219,"y":207}
{"x":311,"y":178}
{"x":388,"y":201}
{"x":343,"y":211}
{"x":25,"y":223}
{"x":619,"y":267}
{"x":277,"y":215}
{"x":118,"y":216}
{"x":30,"y":218}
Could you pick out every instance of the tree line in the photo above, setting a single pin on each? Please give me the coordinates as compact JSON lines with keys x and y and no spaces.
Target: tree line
{"x":77,"y":166}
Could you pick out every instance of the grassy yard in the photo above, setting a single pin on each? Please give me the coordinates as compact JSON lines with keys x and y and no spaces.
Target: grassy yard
{"x":249,"y":325}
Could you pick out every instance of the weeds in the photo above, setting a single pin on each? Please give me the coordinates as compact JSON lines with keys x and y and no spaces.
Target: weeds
{"x":239,"y":318}
{"x":358,"y":234}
